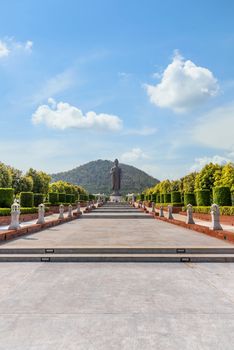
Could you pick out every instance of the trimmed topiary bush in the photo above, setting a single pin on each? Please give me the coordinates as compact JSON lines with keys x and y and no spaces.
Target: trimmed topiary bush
{"x":26,"y":199}
{"x":202,"y":197}
{"x":166,"y":198}
{"x":189,"y":198}
{"x":158,"y":198}
{"x":222,"y":195}
{"x":6,"y":197}
{"x":38,"y":199}
{"x":153,"y":197}
{"x":70,"y":198}
{"x":175,"y":197}
{"x":142,"y":197}
{"x":161,"y":198}
{"x":53,"y":197}
{"x":62,"y":197}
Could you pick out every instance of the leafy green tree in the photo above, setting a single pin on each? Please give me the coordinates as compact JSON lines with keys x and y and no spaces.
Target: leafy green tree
{"x":165,"y":186}
{"x":225,"y":177}
{"x":175,"y":185}
{"x":40,"y":179}
{"x":206,"y":177}
{"x":189,"y":182}
{"x":5,"y":176}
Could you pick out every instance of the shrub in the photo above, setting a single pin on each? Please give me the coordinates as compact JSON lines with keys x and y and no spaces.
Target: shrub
{"x":222,"y":195}
{"x":6,"y":197}
{"x":166,"y":198}
{"x":232,"y":196}
{"x":203,"y":197}
{"x":26,"y":199}
{"x":158,"y":198}
{"x":62,"y":197}
{"x":226,"y":210}
{"x":70,"y":198}
{"x":142,"y":197}
{"x":175,"y":197}
{"x":53,"y":197}
{"x":154,"y":197}
{"x":189,"y":198}
{"x":161,"y":198}
{"x":38,"y":199}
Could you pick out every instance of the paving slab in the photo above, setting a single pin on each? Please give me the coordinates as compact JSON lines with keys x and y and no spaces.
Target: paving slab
{"x":116,"y":306}
{"x":115,"y":232}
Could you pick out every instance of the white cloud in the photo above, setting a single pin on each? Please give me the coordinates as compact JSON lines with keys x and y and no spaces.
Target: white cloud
{"x":10,"y":45}
{"x":201,"y":162}
{"x":145,"y":131}
{"x":63,"y":116}
{"x":183,"y":86}
{"x":4,"y":51}
{"x":133,"y":155}
{"x":216,"y":128}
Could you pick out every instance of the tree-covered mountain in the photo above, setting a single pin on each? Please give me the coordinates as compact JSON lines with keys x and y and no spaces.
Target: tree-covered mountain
{"x":95,"y":177}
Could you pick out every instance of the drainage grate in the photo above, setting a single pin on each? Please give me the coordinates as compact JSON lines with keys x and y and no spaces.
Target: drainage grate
{"x":185,"y":259}
{"x":180,"y":250}
{"x":49,"y":251}
{"x":46,"y":259}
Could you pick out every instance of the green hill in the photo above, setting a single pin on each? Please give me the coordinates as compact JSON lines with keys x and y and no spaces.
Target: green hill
{"x":95,"y":177}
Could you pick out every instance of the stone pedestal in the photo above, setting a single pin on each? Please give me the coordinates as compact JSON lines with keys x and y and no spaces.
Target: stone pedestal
{"x":116,"y":199}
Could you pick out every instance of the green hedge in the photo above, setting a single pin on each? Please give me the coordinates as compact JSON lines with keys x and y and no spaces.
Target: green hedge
{"x":83,"y":197}
{"x":158,"y":198}
{"x":70,"y":198}
{"x":6,"y":197}
{"x":222,"y":196}
{"x":189,"y":198}
{"x":7,"y":211}
{"x":202,"y":197}
{"x":26,"y":199}
{"x":53,"y":197}
{"x":153,"y":197}
{"x":175,"y":197}
{"x":142,"y":197}
{"x":173,"y":204}
{"x":166,"y":198}
{"x":161,"y":198}
{"x":62,"y":197}
{"x":38,"y":199}
{"x":225,"y":210}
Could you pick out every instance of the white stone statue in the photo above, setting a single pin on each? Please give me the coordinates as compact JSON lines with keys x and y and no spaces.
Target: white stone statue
{"x":169,"y":212}
{"x":61,"y":211}
{"x":215,"y":217}
{"x":161,"y":214}
{"x":189,"y":219}
{"x":15,"y":213}
{"x":41,"y":214}
{"x":78,"y":208}
{"x":69,"y":215}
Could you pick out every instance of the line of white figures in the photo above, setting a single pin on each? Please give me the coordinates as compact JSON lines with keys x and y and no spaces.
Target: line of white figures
{"x":214,"y":211}
{"x":15,"y":214}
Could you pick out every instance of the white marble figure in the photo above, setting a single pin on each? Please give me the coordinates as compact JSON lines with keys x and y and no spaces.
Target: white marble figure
{"x":161,"y":214}
{"x":189,"y":219}
{"x":215,"y":217}
{"x":78,"y":208}
{"x":61,"y":211}
{"x":15,"y":213}
{"x":41,"y":214}
{"x":69,"y":215}
{"x":169,"y":212}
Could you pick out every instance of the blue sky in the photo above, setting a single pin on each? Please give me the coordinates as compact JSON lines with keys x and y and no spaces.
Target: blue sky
{"x":149,"y":82}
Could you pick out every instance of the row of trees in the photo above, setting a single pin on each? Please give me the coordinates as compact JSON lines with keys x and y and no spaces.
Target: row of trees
{"x":33,"y":180}
{"x":211,"y":175}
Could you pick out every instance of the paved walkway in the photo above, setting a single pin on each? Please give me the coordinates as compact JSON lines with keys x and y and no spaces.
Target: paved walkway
{"x":115,"y":232}
{"x":116,"y":306}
